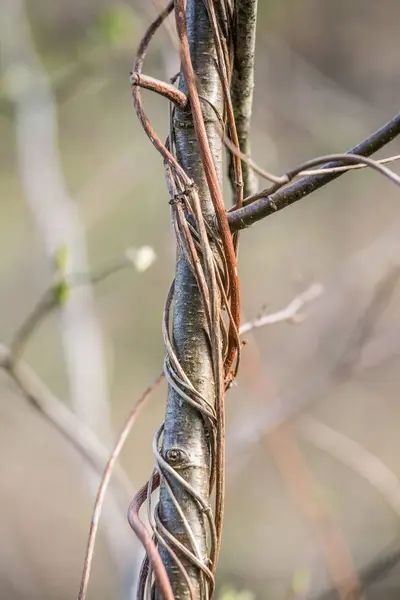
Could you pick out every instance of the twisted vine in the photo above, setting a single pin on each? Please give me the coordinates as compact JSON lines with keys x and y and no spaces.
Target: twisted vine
{"x":206,"y":245}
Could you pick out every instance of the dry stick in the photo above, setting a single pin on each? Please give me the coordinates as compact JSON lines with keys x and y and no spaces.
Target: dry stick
{"x":162,"y":88}
{"x":280,"y":180}
{"x":108,"y":471}
{"x":213,"y":317}
{"x":290,"y":313}
{"x":300,"y":171}
{"x":266,"y":206}
{"x":215,"y":337}
{"x":155,"y":522}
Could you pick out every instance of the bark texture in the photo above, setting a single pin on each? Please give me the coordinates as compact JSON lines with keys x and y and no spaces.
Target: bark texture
{"x":185,"y":442}
{"x":243,"y":84}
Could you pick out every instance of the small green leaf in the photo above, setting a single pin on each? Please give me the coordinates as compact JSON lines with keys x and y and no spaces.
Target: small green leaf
{"x":61,"y":292}
{"x":61,"y":259}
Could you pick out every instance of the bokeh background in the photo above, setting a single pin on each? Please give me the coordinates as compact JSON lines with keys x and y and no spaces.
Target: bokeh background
{"x":77,"y":172}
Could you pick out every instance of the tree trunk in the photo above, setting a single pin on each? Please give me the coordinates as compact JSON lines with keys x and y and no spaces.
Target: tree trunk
{"x":186,"y":444}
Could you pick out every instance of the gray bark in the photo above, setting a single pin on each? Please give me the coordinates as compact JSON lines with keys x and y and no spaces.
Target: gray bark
{"x":243,"y":84}
{"x":185,"y":442}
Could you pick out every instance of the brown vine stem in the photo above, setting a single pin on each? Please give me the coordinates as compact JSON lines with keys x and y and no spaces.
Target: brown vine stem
{"x":108,"y":471}
{"x":227,"y":242}
{"x":162,"y":88}
{"x":225,"y":72}
{"x":144,"y":536}
{"x":212,"y":180}
{"x":144,"y":120}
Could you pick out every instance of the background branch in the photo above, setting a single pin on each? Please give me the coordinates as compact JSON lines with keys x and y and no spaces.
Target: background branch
{"x":61,"y":230}
{"x":81,"y":437}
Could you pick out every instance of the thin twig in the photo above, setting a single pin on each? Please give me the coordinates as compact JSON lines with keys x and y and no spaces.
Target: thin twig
{"x":247,"y":160}
{"x":345,"y":168}
{"x":266,"y":206}
{"x":50,"y":301}
{"x":301,"y":169}
{"x":108,"y":471}
{"x":162,"y":88}
{"x":341,"y":170}
{"x":79,"y":435}
{"x":346,"y":158}
{"x":42,"y":309}
{"x":290,"y":313}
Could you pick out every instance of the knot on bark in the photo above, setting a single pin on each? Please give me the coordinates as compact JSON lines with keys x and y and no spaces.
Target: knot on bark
{"x":177,"y":458}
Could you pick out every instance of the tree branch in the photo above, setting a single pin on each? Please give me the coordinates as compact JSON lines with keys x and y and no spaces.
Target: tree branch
{"x":185,"y":441}
{"x":243,"y":84}
{"x":267,"y":205}
{"x":79,"y":435}
{"x":290,"y":313}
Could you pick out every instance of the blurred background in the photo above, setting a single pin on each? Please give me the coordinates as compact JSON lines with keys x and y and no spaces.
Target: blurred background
{"x":81,"y":188}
